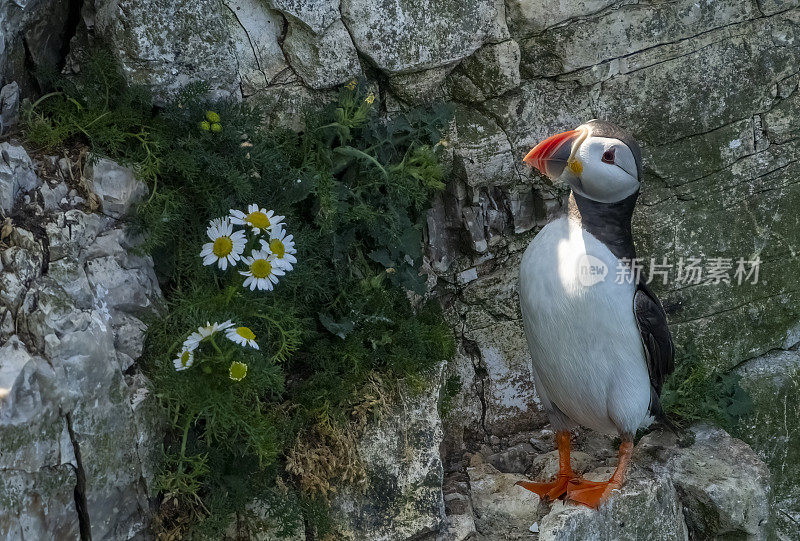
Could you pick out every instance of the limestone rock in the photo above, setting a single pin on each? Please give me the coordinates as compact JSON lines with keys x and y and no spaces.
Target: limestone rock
{"x":74,"y":430}
{"x":420,"y":87}
{"x":322,"y":60}
{"x":115,"y":185}
{"x":773,"y":425}
{"x":715,"y":488}
{"x":9,"y":106}
{"x":502,"y":510}
{"x":32,"y":33}
{"x":404,"y":36}
{"x":17,"y":175}
{"x":403,"y":494}
{"x":317,"y":15}
{"x":646,"y":508}
{"x":166,"y":45}
{"x":494,"y":69}
{"x":529,"y":16}
{"x":254,"y":32}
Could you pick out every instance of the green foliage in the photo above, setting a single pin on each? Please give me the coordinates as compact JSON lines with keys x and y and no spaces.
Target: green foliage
{"x":98,"y":109}
{"x":696,"y":392}
{"x":353,"y":187}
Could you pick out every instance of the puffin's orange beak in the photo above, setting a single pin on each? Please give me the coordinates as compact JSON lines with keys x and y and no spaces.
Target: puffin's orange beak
{"x":552,"y":155}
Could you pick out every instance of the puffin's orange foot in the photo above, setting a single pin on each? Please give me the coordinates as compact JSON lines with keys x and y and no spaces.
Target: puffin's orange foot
{"x":549,"y":491}
{"x":590,"y":493}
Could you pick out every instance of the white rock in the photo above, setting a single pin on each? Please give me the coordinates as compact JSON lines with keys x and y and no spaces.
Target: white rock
{"x":116,"y":185}
{"x":16,"y":175}
{"x":322,"y":60}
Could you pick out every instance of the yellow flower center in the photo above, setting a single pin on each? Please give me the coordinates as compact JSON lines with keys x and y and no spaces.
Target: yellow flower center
{"x":245,"y":333}
{"x":258,"y":219}
{"x":185,"y":358}
{"x":277,"y":248}
{"x":260,"y":268}
{"x":222,"y":246}
{"x":237,"y":370}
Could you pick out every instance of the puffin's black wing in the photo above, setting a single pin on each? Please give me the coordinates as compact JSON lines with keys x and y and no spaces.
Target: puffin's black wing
{"x":658,"y":347}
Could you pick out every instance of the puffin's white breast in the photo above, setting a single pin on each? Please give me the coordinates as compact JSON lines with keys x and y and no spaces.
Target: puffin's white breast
{"x":586,"y":351}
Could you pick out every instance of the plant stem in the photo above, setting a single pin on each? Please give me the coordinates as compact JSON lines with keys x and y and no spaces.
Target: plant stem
{"x":183,"y":444}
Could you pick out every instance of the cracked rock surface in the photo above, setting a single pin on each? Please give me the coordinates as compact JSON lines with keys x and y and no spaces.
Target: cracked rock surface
{"x":77,"y":427}
{"x":714,"y":487}
{"x":709,"y":88}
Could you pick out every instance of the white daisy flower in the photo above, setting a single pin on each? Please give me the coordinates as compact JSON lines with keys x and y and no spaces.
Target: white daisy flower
{"x":226,"y":246}
{"x":281,"y":247}
{"x":184,"y":360}
{"x":211,"y":328}
{"x":242,"y":336}
{"x":257,"y":218}
{"x":261,"y":271}
{"x":192,"y":341}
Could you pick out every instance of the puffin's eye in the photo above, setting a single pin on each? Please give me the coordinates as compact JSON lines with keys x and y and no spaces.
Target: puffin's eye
{"x":608,"y":156}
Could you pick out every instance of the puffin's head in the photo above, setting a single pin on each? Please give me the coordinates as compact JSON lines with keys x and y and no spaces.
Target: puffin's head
{"x":598,"y":159}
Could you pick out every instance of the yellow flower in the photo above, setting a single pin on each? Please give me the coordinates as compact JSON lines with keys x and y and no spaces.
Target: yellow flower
{"x":212,"y":116}
{"x":237,"y":371}
{"x":205,"y":126}
{"x":352,"y":84}
{"x":216,"y":127}
{"x":370,"y":98}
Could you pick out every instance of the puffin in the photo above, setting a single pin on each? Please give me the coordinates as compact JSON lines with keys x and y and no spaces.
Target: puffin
{"x":598,"y":337}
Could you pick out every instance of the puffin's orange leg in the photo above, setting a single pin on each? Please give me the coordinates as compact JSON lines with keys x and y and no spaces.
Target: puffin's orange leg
{"x":594,"y":493}
{"x":557,"y":487}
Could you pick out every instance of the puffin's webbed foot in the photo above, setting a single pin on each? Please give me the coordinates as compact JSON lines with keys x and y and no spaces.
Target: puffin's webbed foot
{"x":590,"y":493}
{"x":593,"y":493}
{"x":558,"y":487}
{"x":552,"y":490}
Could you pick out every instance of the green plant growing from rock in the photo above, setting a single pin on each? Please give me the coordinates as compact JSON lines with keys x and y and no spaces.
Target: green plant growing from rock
{"x":335,"y":335}
{"x":697,"y":392}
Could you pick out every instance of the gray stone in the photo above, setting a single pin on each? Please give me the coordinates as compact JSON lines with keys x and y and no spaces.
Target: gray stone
{"x":9,"y":106}
{"x":254,"y":31}
{"x":165,"y":45}
{"x":17,"y":175}
{"x":501,"y":509}
{"x":420,"y":87}
{"x":52,"y":196}
{"x":115,"y":185}
{"x":32,"y":34}
{"x":402,"y":497}
{"x":526,"y":17}
{"x":494,"y":69}
{"x":773,"y":425}
{"x":402,"y":37}
{"x":724,"y":487}
{"x":322,"y":60}
{"x":75,"y":329}
{"x":317,"y":15}
{"x":231,"y":45}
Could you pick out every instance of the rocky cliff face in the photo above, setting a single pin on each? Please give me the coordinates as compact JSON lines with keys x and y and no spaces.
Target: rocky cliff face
{"x":76,"y":425}
{"x":708,"y":88}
